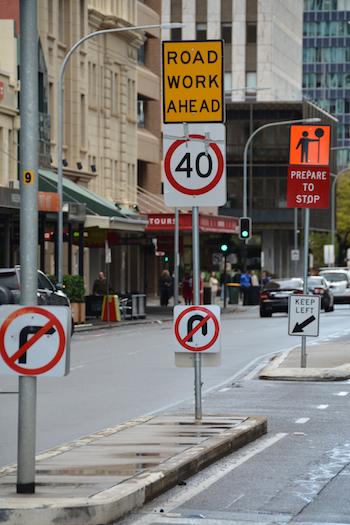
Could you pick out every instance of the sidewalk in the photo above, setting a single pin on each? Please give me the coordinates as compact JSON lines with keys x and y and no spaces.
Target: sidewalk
{"x":101,"y":477}
{"x":154,"y":314}
{"x":328,"y":361}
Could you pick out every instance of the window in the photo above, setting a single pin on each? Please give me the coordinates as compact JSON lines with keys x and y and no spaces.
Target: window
{"x":251,"y":80}
{"x":251,"y":33}
{"x":226,"y":33}
{"x":141,"y":55}
{"x":201,"y":31}
{"x":82,"y":121}
{"x":141,"y":113}
{"x":115,"y":93}
{"x":176,"y":34}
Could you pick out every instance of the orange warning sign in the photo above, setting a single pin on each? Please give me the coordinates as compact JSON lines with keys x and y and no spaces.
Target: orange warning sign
{"x":309,"y":145}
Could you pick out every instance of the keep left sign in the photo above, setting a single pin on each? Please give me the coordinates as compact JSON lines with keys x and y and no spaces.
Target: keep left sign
{"x":34,"y":340}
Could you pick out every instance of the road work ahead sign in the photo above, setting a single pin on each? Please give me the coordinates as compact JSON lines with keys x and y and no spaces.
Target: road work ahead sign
{"x":193,"y":81}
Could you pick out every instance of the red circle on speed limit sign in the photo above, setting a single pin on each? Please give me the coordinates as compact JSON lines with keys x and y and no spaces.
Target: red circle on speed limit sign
{"x":193,"y":191}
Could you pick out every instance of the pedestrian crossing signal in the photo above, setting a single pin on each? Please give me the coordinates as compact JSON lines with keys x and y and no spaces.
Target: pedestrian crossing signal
{"x":245,"y":228}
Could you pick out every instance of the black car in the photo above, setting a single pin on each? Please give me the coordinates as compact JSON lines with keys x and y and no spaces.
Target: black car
{"x":47,"y":293}
{"x":319,"y":286}
{"x":275,"y":295}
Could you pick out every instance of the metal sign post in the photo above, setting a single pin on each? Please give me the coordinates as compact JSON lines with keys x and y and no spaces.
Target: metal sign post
{"x":306,"y":271}
{"x":176,"y":258}
{"x":196,"y":300}
{"x":28,"y":231}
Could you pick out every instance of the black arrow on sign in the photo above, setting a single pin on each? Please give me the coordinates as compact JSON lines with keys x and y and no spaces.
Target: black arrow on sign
{"x":23,"y":338}
{"x":299,"y":327}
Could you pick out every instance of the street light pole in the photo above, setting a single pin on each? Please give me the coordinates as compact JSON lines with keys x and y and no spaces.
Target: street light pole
{"x":245,"y":159}
{"x":60,"y":105}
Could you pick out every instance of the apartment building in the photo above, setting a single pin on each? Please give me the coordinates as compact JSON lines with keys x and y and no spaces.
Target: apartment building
{"x":9,"y":125}
{"x":326,"y":64}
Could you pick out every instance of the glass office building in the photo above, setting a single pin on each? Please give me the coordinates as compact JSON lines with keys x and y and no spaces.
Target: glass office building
{"x":326,"y":64}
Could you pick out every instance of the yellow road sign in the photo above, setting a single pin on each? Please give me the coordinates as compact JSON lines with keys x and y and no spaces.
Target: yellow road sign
{"x":28,"y":176}
{"x":193,"y":81}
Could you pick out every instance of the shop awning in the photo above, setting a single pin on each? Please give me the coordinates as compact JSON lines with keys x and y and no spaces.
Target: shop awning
{"x":101,"y":213}
{"x":165,"y":222}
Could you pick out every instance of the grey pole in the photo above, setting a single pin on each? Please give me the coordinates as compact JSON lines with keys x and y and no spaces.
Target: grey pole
{"x":306,"y":271}
{"x":245,"y":158}
{"x":333,"y":210}
{"x":196,"y":301}
{"x":28,"y":232}
{"x":176,"y":258}
{"x":296,"y":239}
{"x":60,"y":105}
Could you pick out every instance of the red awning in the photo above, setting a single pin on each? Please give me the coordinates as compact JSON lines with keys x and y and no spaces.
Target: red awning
{"x":161,"y":222}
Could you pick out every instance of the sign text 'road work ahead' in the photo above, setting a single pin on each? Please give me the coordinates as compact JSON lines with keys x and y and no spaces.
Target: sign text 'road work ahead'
{"x":193,"y":81}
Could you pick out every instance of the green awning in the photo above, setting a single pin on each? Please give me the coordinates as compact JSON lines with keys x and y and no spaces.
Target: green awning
{"x":72,"y":192}
{"x":100,"y":213}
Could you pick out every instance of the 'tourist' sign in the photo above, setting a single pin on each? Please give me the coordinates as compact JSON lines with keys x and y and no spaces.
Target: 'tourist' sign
{"x":193,"y":81}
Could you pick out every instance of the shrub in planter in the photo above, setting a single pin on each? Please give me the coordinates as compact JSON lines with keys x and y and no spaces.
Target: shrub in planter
{"x":75,"y":290}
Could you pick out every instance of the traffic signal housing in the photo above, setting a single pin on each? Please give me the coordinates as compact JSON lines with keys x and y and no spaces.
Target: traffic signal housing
{"x":245,"y":228}
{"x":224,"y":247}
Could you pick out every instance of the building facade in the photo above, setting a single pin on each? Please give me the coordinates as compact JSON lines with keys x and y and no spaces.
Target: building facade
{"x":326,"y":64}
{"x":263,"y":42}
{"x":263,"y":84}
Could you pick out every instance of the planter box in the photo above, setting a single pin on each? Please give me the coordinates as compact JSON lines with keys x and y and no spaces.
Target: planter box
{"x":78,"y":312}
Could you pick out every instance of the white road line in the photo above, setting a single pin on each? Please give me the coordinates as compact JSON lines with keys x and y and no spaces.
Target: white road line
{"x":322,"y":407}
{"x":302,"y":420}
{"x":198,"y":483}
{"x":341,"y":394}
{"x":225,"y":389}
{"x":76,"y":367}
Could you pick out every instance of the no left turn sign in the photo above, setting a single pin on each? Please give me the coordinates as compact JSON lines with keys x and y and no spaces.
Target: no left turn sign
{"x":194,"y":165}
{"x":34,"y":340}
{"x":197,"y":328}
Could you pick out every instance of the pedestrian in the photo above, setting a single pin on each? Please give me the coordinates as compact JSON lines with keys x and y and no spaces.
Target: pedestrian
{"x":237,"y":276}
{"x":100,"y":285}
{"x":254,"y":278}
{"x":214,"y":287}
{"x":245,"y":282}
{"x":264,"y":278}
{"x":187,"y":289}
{"x":165,"y":287}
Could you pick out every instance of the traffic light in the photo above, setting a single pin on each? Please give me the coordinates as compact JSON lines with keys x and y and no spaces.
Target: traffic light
{"x":166,"y":258}
{"x":224,"y":247}
{"x":245,"y":228}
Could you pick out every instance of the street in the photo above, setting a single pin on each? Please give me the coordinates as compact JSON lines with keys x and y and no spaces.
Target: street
{"x":126,"y":372}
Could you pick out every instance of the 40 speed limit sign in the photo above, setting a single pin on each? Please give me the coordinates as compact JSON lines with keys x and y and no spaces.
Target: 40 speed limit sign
{"x":194,"y":164}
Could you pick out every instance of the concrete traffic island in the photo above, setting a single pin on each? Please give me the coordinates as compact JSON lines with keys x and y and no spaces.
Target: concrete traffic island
{"x":325,"y":362}
{"x":100,"y":478}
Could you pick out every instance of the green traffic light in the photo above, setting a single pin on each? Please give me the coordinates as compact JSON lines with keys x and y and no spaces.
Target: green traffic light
{"x":166,"y":259}
{"x":244,"y":233}
{"x":224,"y":247}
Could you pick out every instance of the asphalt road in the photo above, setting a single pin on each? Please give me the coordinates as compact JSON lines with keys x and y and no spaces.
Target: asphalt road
{"x":126,"y":372}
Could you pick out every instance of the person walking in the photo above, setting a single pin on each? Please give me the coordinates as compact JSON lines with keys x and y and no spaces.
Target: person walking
{"x":245,"y":282}
{"x":254,"y":278}
{"x":100,"y":285}
{"x":165,"y":287}
{"x":214,"y":287}
{"x":187,"y":289}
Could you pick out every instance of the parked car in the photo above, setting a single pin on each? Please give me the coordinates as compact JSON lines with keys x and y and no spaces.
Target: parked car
{"x":319,"y":286}
{"x":339,"y":283}
{"x":47,"y":293}
{"x":274,"y":296}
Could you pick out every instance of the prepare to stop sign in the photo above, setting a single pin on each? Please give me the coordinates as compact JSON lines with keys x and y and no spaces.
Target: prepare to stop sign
{"x":194,"y":165}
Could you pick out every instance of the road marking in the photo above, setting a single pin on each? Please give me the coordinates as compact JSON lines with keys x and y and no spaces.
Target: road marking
{"x":225,"y":389}
{"x":322,"y":407}
{"x":203,"y":480}
{"x":234,"y":501}
{"x":302,"y":420}
{"x":341,"y":394}
{"x":76,"y":367}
